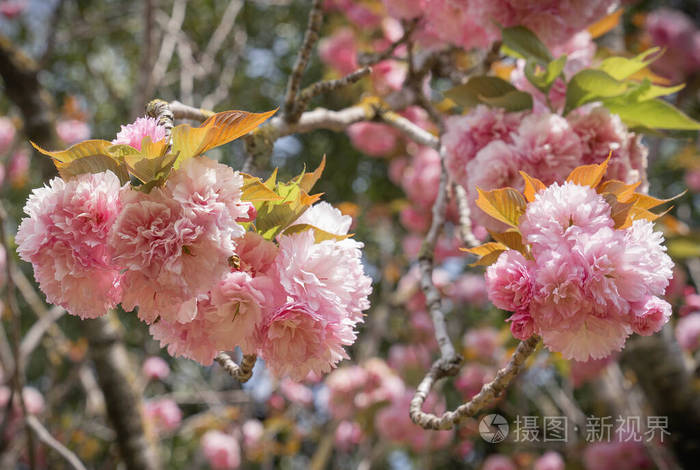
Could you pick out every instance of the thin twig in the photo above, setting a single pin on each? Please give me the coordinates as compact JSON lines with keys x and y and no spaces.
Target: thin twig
{"x":326,"y":86}
{"x":488,"y":393}
{"x":167,"y":46}
{"x":409,"y":129}
{"x":310,"y":38}
{"x":216,"y":41}
{"x":371,"y":59}
{"x":33,"y":337}
{"x":242,"y":372}
{"x":465,"y":220}
{"x":44,"y":436}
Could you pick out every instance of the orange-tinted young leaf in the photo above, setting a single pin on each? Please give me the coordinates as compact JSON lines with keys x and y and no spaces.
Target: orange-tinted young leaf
{"x":219,"y":129}
{"x":512,"y":239}
{"x":308,"y":180}
{"x":532,"y":186}
{"x":505,"y":204}
{"x":255,"y":190}
{"x":319,"y":234}
{"x":604,"y":25}
{"x":488,"y":252}
{"x":309,"y":199}
{"x":644,"y":201}
{"x":150,"y":168}
{"x":638,"y":213}
{"x":87,"y":148}
{"x":619,"y":211}
{"x":92,"y":164}
{"x":621,"y":190}
{"x":271,"y":182}
{"x":589,"y":175}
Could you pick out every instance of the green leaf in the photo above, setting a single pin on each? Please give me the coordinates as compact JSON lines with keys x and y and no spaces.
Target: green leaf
{"x":522,"y":43}
{"x":543,"y":77}
{"x":512,"y":101}
{"x":92,"y":164}
{"x":591,"y":85}
{"x":622,"y":67}
{"x":492,"y":91}
{"x":319,"y":234}
{"x":654,"y":114}
{"x":647,"y":91}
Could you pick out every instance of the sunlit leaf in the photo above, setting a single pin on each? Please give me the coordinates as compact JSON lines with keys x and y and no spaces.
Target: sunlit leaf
{"x":590,"y":85}
{"x":619,"y":211}
{"x":532,"y":186}
{"x":645,"y":201}
{"x":255,"y":190}
{"x":512,"y":101}
{"x":489,"y":90}
{"x":219,"y":129}
{"x":152,"y":162}
{"x":653,"y":114}
{"x":308,"y":180}
{"x":605,"y":24}
{"x":622,"y":67}
{"x":512,"y":239}
{"x":488,"y":252}
{"x":505,"y":204}
{"x":87,"y":148}
{"x":588,"y":175}
{"x":92,"y":164}
{"x":543,"y":77}
{"x":520,"y":42}
{"x":319,"y":235}
{"x":647,"y":91}
{"x":621,"y":190}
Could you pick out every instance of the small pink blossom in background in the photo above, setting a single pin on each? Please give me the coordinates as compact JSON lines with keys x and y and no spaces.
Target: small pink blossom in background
{"x":676,"y":33}
{"x":296,"y":392}
{"x":550,"y":461}
{"x":357,"y":12}
{"x":589,"y":286}
{"x":18,"y":168}
{"x":343,"y":384}
{"x":7,"y":133}
{"x":253,"y":431}
{"x":471,"y":378}
{"x":221,"y":450}
{"x":65,"y":237}
{"x":155,"y":368}
{"x":388,"y":76}
{"x":688,"y":331}
{"x":348,"y":435}
{"x":421,"y":179}
{"x":405,"y":9}
{"x":132,"y":134}
{"x":394,"y":424}
{"x":32,"y":398}
{"x":484,"y":343}
{"x":469,"y":289}
{"x":164,"y":413}
{"x":498,"y":462}
{"x":691,"y":303}
{"x":585,"y":371}
{"x":616,"y":455}
{"x":373,"y":138}
{"x":71,"y":131}
{"x":339,"y":51}
{"x":12,"y":8}
{"x":414,"y":219}
{"x":409,"y":359}
{"x":692,"y":180}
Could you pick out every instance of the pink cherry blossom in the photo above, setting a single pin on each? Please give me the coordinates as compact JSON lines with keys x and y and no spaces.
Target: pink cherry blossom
{"x":405,"y":9}
{"x":343,"y":384}
{"x":421,"y":180}
{"x":221,"y":450}
{"x":471,"y":378}
{"x":498,"y":462}
{"x":12,"y":8}
{"x":483,"y":342}
{"x":7,"y":133}
{"x":585,"y":371}
{"x":296,"y":392}
{"x":132,"y":134}
{"x":616,"y":455}
{"x":295,"y":339}
{"x":71,"y":131}
{"x":155,"y":368}
{"x":469,"y":288}
{"x":257,"y":255}
{"x":253,"y":431}
{"x":340,"y":51}
{"x":509,"y":281}
{"x":388,"y":76}
{"x":649,"y":316}
{"x":65,"y":237}
{"x":348,"y":435}
{"x":522,"y":326}
{"x":326,"y":217}
{"x":18,"y":168}
{"x":688,"y":331}
{"x":164,"y":413}
{"x":373,"y":138}
{"x":549,"y":461}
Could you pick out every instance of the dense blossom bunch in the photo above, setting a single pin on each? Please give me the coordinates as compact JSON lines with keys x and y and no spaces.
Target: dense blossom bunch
{"x":487,"y":147}
{"x":680,"y":37}
{"x":583,"y":267}
{"x":186,"y":255}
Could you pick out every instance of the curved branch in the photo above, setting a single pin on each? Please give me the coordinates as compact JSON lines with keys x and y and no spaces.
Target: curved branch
{"x":242,"y":372}
{"x":489,"y":392}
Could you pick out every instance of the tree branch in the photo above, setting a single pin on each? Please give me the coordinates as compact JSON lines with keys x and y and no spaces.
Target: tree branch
{"x":44,"y":436}
{"x":242,"y":372}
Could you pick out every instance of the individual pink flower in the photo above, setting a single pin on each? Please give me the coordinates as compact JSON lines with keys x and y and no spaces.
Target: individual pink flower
{"x":348,"y":435}
{"x":65,"y":237}
{"x":373,"y":138}
{"x":483,"y":342}
{"x":650,"y":315}
{"x":383,"y":385}
{"x":7,"y":133}
{"x":327,"y":277}
{"x":409,"y":359}
{"x":296,"y":392}
{"x":295,"y":339}
{"x":509,"y":281}
{"x":343,"y":385}
{"x":388,"y":76}
{"x":472,"y":378}
{"x":522,"y":326}
{"x":691,"y":303}
{"x":549,"y":461}
{"x":132,"y":134}
{"x":421,"y":180}
{"x":155,"y":368}
{"x":72,"y":131}
{"x":326,"y":217}
{"x":339,"y":51}
{"x":221,"y":450}
{"x":466,"y":135}
{"x":18,"y":168}
{"x":498,"y":462}
{"x":164,"y":413}
{"x":688,"y":331}
{"x":549,"y":147}
{"x":253,"y":432}
{"x":256,"y":255}
{"x":12,"y":8}
{"x":469,"y":288}
{"x":692,"y":180}
{"x":405,"y":9}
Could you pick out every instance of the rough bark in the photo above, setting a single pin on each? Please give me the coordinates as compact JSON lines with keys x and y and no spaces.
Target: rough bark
{"x":117,"y":379}
{"x":658,"y":364}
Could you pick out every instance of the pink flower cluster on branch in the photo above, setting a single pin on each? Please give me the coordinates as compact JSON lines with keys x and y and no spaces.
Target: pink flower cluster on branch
{"x":185,"y":256}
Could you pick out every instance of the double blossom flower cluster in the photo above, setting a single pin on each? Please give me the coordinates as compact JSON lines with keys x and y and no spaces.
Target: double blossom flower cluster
{"x":581,"y":265}
{"x":185,"y":255}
